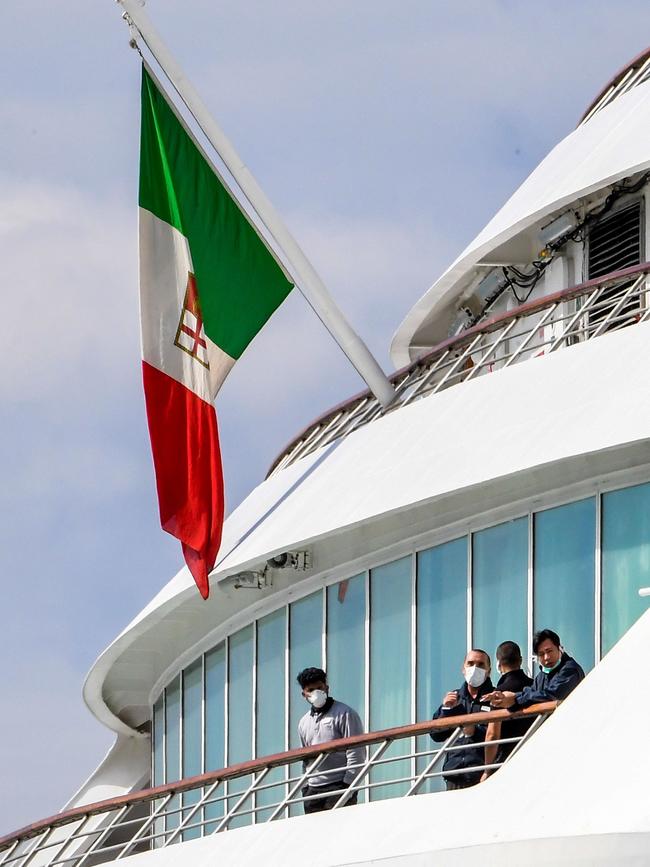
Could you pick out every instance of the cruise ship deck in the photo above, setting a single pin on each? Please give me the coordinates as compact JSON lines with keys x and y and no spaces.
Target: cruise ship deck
{"x":506,"y":489}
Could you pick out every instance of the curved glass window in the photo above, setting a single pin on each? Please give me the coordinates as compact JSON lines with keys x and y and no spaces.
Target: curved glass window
{"x":215,"y":721}
{"x":390,"y":664}
{"x":215,"y":706}
{"x":192,"y":742}
{"x":441,"y":622}
{"x":240,"y":709}
{"x":158,"y":742}
{"x":626,"y":560}
{"x":271,"y":725}
{"x":402,"y":628}
{"x":305,"y":651}
{"x":173,"y":743}
{"x":441,"y":630}
{"x":346,"y":654}
{"x":500,"y":586}
{"x":172,"y":729}
{"x":565,"y":563}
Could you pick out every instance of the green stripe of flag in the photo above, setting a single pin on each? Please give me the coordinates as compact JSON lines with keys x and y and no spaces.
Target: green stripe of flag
{"x":239,"y":282}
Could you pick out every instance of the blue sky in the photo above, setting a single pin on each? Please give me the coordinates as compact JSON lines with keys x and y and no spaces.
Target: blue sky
{"x":385,"y":133}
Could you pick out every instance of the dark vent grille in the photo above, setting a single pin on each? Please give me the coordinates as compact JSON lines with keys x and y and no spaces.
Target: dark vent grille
{"x":615,"y":241}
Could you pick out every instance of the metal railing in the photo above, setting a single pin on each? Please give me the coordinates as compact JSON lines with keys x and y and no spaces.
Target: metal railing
{"x":540,"y":327}
{"x":635,"y":72}
{"x":398,"y":762}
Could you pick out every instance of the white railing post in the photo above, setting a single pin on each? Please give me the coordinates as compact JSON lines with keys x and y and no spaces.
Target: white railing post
{"x":439,"y":755}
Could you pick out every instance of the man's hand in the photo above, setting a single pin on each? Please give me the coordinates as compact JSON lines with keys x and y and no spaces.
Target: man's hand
{"x":450,"y":700}
{"x":468,"y":731}
{"x":500,"y":699}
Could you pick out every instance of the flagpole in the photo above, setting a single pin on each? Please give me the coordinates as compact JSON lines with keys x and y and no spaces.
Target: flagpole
{"x":307,"y":280}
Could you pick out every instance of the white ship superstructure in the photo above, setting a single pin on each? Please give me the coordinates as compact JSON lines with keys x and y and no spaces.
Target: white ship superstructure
{"x":505,"y":490}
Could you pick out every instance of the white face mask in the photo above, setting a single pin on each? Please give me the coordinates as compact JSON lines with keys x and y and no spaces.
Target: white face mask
{"x":475,"y":676}
{"x":317,"y":698}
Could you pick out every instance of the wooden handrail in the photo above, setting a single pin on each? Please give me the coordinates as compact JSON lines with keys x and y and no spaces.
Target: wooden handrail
{"x":459,"y":340}
{"x":277,"y":759}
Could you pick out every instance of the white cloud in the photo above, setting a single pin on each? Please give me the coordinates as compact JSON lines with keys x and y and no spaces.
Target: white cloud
{"x":70,"y":290}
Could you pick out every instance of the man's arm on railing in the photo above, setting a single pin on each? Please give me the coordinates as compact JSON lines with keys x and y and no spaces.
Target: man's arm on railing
{"x":493,"y":733}
{"x":564,"y":682}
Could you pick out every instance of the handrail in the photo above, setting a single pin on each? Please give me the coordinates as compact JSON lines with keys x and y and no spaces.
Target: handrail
{"x":451,"y":344}
{"x":615,"y":79}
{"x":245,"y":769}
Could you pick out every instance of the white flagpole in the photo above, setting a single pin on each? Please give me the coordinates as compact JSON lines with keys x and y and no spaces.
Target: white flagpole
{"x":307,"y":280}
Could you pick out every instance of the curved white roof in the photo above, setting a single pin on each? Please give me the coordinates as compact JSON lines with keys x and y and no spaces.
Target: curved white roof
{"x":613,"y":144}
{"x":491,"y":441}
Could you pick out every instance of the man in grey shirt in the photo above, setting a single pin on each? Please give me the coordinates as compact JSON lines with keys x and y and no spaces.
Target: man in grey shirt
{"x":328,"y":720}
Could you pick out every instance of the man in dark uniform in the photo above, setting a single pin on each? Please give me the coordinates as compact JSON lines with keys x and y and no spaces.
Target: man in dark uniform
{"x":513,"y":679}
{"x":559,"y":674}
{"x":468,"y":699}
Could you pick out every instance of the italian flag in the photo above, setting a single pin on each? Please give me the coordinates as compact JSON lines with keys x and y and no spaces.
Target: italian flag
{"x":208,"y":283}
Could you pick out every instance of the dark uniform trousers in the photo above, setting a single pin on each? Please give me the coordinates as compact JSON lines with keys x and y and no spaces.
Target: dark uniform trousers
{"x":327,"y":802}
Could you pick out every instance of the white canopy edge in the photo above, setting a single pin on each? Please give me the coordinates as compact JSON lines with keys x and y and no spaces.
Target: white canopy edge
{"x":610,"y":146}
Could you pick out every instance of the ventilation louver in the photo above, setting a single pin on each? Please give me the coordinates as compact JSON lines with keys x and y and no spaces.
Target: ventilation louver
{"x":615,"y":242}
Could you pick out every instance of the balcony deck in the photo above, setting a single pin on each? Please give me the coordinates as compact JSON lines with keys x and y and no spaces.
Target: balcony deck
{"x":544,"y":326}
{"x":398,"y":764}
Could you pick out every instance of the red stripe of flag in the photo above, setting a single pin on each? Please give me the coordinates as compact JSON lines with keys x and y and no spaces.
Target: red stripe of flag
{"x":187,"y":462}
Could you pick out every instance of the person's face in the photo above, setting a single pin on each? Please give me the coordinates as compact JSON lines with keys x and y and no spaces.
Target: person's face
{"x":548,"y":654}
{"x":317,"y":684}
{"x":477,"y":659}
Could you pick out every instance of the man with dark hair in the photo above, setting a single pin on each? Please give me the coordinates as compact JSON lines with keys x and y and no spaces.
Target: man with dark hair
{"x":513,"y":679}
{"x":328,"y":720}
{"x":468,"y":699}
{"x":559,"y":674}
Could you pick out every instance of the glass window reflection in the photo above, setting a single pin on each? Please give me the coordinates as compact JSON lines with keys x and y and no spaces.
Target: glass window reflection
{"x":390,"y":665}
{"x":158,"y":742}
{"x":192,"y":740}
{"x":500,"y":585}
{"x":441,"y":630}
{"x":564,"y":575}
{"x":240,"y":711}
{"x":625,"y":560}
{"x":271,"y":723}
{"x":305,"y":650}
{"x":215,"y":731}
{"x":346,"y":614}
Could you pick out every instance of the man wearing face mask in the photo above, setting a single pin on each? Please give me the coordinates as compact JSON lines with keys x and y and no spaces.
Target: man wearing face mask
{"x":559,"y":674}
{"x":328,"y":720}
{"x":468,"y":699}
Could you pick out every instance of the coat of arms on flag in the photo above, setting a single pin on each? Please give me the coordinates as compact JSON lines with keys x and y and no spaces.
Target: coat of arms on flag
{"x":190,"y":334}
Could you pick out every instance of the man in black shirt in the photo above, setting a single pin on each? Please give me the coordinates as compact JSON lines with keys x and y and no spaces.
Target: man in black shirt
{"x":468,"y":699}
{"x":513,"y":679}
{"x":558,"y":676}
